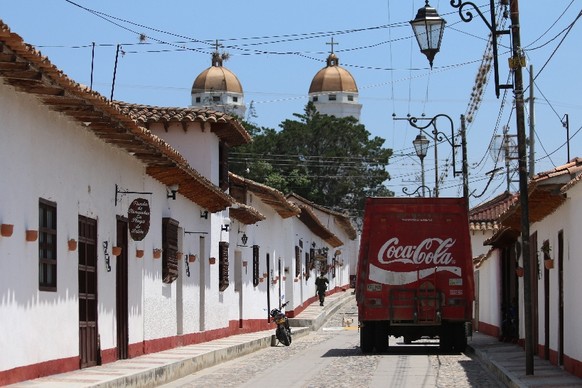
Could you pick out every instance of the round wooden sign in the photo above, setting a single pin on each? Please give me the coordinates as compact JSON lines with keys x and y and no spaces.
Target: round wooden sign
{"x":139,"y":218}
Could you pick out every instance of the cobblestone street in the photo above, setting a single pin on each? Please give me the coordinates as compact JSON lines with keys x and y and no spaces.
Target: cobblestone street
{"x":345,"y":366}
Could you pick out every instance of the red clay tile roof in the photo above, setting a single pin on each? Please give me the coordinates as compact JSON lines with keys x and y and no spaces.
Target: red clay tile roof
{"x":223,"y":125}
{"x":486,"y":215}
{"x":268,"y":195}
{"x":24,"y":68}
{"x":245,"y":214}
{"x":343,"y":220}
{"x":309,"y":218}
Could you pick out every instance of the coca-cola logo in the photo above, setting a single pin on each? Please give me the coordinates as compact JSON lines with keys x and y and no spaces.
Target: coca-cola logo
{"x":430,"y":251}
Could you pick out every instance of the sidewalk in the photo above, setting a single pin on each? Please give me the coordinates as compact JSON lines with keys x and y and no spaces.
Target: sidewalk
{"x":507,"y":362}
{"x":154,"y":369}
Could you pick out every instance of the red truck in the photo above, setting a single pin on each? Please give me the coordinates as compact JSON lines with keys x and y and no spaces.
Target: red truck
{"x":415,"y":272}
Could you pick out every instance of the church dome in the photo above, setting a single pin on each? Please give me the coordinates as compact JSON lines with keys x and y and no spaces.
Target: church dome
{"x":333,"y":78}
{"x":217,"y":78}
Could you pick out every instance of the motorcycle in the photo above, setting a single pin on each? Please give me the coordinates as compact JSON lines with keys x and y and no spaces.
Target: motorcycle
{"x":283,"y":332}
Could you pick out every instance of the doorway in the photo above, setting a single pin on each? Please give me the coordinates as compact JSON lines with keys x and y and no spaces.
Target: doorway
{"x":121,"y":291}
{"x":87,"y":272}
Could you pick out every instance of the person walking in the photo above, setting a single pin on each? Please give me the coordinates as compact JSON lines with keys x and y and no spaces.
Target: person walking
{"x":321,"y":283}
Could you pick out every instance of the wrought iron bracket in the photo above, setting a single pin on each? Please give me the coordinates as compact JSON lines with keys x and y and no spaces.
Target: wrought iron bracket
{"x":467,"y":16}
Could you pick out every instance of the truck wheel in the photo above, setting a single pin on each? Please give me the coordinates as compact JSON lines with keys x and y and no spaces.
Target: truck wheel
{"x":460,"y":339}
{"x":367,"y":337}
{"x":446,"y":338}
{"x":381,"y":337}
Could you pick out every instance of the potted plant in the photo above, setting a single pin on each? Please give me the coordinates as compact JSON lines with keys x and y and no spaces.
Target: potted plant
{"x":72,"y":244}
{"x":116,"y":251}
{"x":157,"y":253}
{"x":549,"y":263}
{"x":191,"y":258}
{"x":139,"y":253}
{"x":519,"y":271}
{"x":31,"y":235}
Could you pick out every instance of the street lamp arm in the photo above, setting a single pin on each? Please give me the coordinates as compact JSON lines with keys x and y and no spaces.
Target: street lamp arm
{"x":467,"y":15}
{"x":405,"y":190}
{"x":436,"y":134}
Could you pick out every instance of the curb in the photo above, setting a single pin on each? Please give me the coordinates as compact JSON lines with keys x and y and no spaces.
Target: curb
{"x":498,"y":371}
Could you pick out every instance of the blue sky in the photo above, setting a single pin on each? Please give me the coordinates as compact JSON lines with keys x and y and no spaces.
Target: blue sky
{"x":277,"y":47}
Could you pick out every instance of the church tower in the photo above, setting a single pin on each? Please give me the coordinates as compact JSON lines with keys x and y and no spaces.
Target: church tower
{"x":333,"y":90}
{"x":219,"y":89}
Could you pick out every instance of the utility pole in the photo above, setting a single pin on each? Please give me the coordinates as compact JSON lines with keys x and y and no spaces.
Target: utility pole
{"x":465,"y":168}
{"x":517,"y":62}
{"x":566,"y":124}
{"x":507,"y":157}
{"x":532,"y":163}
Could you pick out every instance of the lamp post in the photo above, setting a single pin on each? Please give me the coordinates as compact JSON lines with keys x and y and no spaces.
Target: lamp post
{"x":516,"y":63}
{"x":421,"y":148}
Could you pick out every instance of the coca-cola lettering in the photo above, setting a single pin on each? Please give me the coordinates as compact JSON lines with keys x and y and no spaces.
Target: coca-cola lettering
{"x":430,"y":251}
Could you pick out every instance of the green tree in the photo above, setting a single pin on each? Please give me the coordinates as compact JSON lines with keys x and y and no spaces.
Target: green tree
{"x":328,"y":160}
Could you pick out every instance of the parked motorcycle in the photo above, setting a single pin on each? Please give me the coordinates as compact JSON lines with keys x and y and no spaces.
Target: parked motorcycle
{"x":283,"y":332}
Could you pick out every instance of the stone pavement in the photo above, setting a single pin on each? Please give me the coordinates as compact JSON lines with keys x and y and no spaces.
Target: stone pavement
{"x":506,"y":361}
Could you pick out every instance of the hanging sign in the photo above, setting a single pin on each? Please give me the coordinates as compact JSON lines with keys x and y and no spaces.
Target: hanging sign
{"x":139,"y":218}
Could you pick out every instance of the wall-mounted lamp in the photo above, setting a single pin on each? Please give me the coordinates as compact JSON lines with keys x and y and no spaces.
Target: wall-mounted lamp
{"x":244,"y":239}
{"x":313,"y":244}
{"x":172,"y":190}
{"x":204,"y":214}
{"x":225,"y":224}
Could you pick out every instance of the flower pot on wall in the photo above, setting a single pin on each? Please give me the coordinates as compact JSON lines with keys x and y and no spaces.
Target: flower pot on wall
{"x":179,"y":255}
{"x":116,"y":251}
{"x":31,"y":235}
{"x":139,"y":253}
{"x":157,"y":253}
{"x":519,"y":271}
{"x":191,"y":258}
{"x":212,"y":260}
{"x":72,"y":244}
{"x":549,"y":263}
{"x":6,"y":230}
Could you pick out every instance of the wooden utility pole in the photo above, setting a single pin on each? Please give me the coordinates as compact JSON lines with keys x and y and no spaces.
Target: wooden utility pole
{"x":517,"y":62}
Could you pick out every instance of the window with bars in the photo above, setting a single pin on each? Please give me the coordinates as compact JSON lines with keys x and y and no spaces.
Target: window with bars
{"x":255,"y":265}
{"x":47,"y":245}
{"x":297,"y":261}
{"x":223,"y":266}
{"x":307,"y":265}
{"x":169,"y":250}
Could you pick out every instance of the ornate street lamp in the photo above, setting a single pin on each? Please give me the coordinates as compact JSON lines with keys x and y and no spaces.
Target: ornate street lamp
{"x":428,"y":29}
{"x":421,"y":147}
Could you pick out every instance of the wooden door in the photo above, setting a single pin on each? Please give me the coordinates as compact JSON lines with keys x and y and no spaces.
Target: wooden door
{"x":87,"y":273}
{"x":121,"y":292}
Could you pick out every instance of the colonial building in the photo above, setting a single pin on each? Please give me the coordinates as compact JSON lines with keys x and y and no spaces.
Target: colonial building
{"x":119,"y":235}
{"x":555,"y":203}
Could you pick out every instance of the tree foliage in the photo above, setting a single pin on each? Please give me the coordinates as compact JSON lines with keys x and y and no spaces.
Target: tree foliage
{"x":328,"y":160}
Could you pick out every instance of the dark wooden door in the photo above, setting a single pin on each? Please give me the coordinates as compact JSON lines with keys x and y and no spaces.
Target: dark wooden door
{"x":87,"y":272}
{"x":535,"y":268}
{"x":122,"y":292}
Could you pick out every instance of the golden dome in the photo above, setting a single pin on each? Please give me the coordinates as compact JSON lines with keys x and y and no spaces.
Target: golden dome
{"x":217,"y":78}
{"x":333,"y":78}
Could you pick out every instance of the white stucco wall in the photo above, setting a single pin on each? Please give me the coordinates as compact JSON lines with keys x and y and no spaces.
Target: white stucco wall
{"x":566,"y":219}
{"x":488,"y":289}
